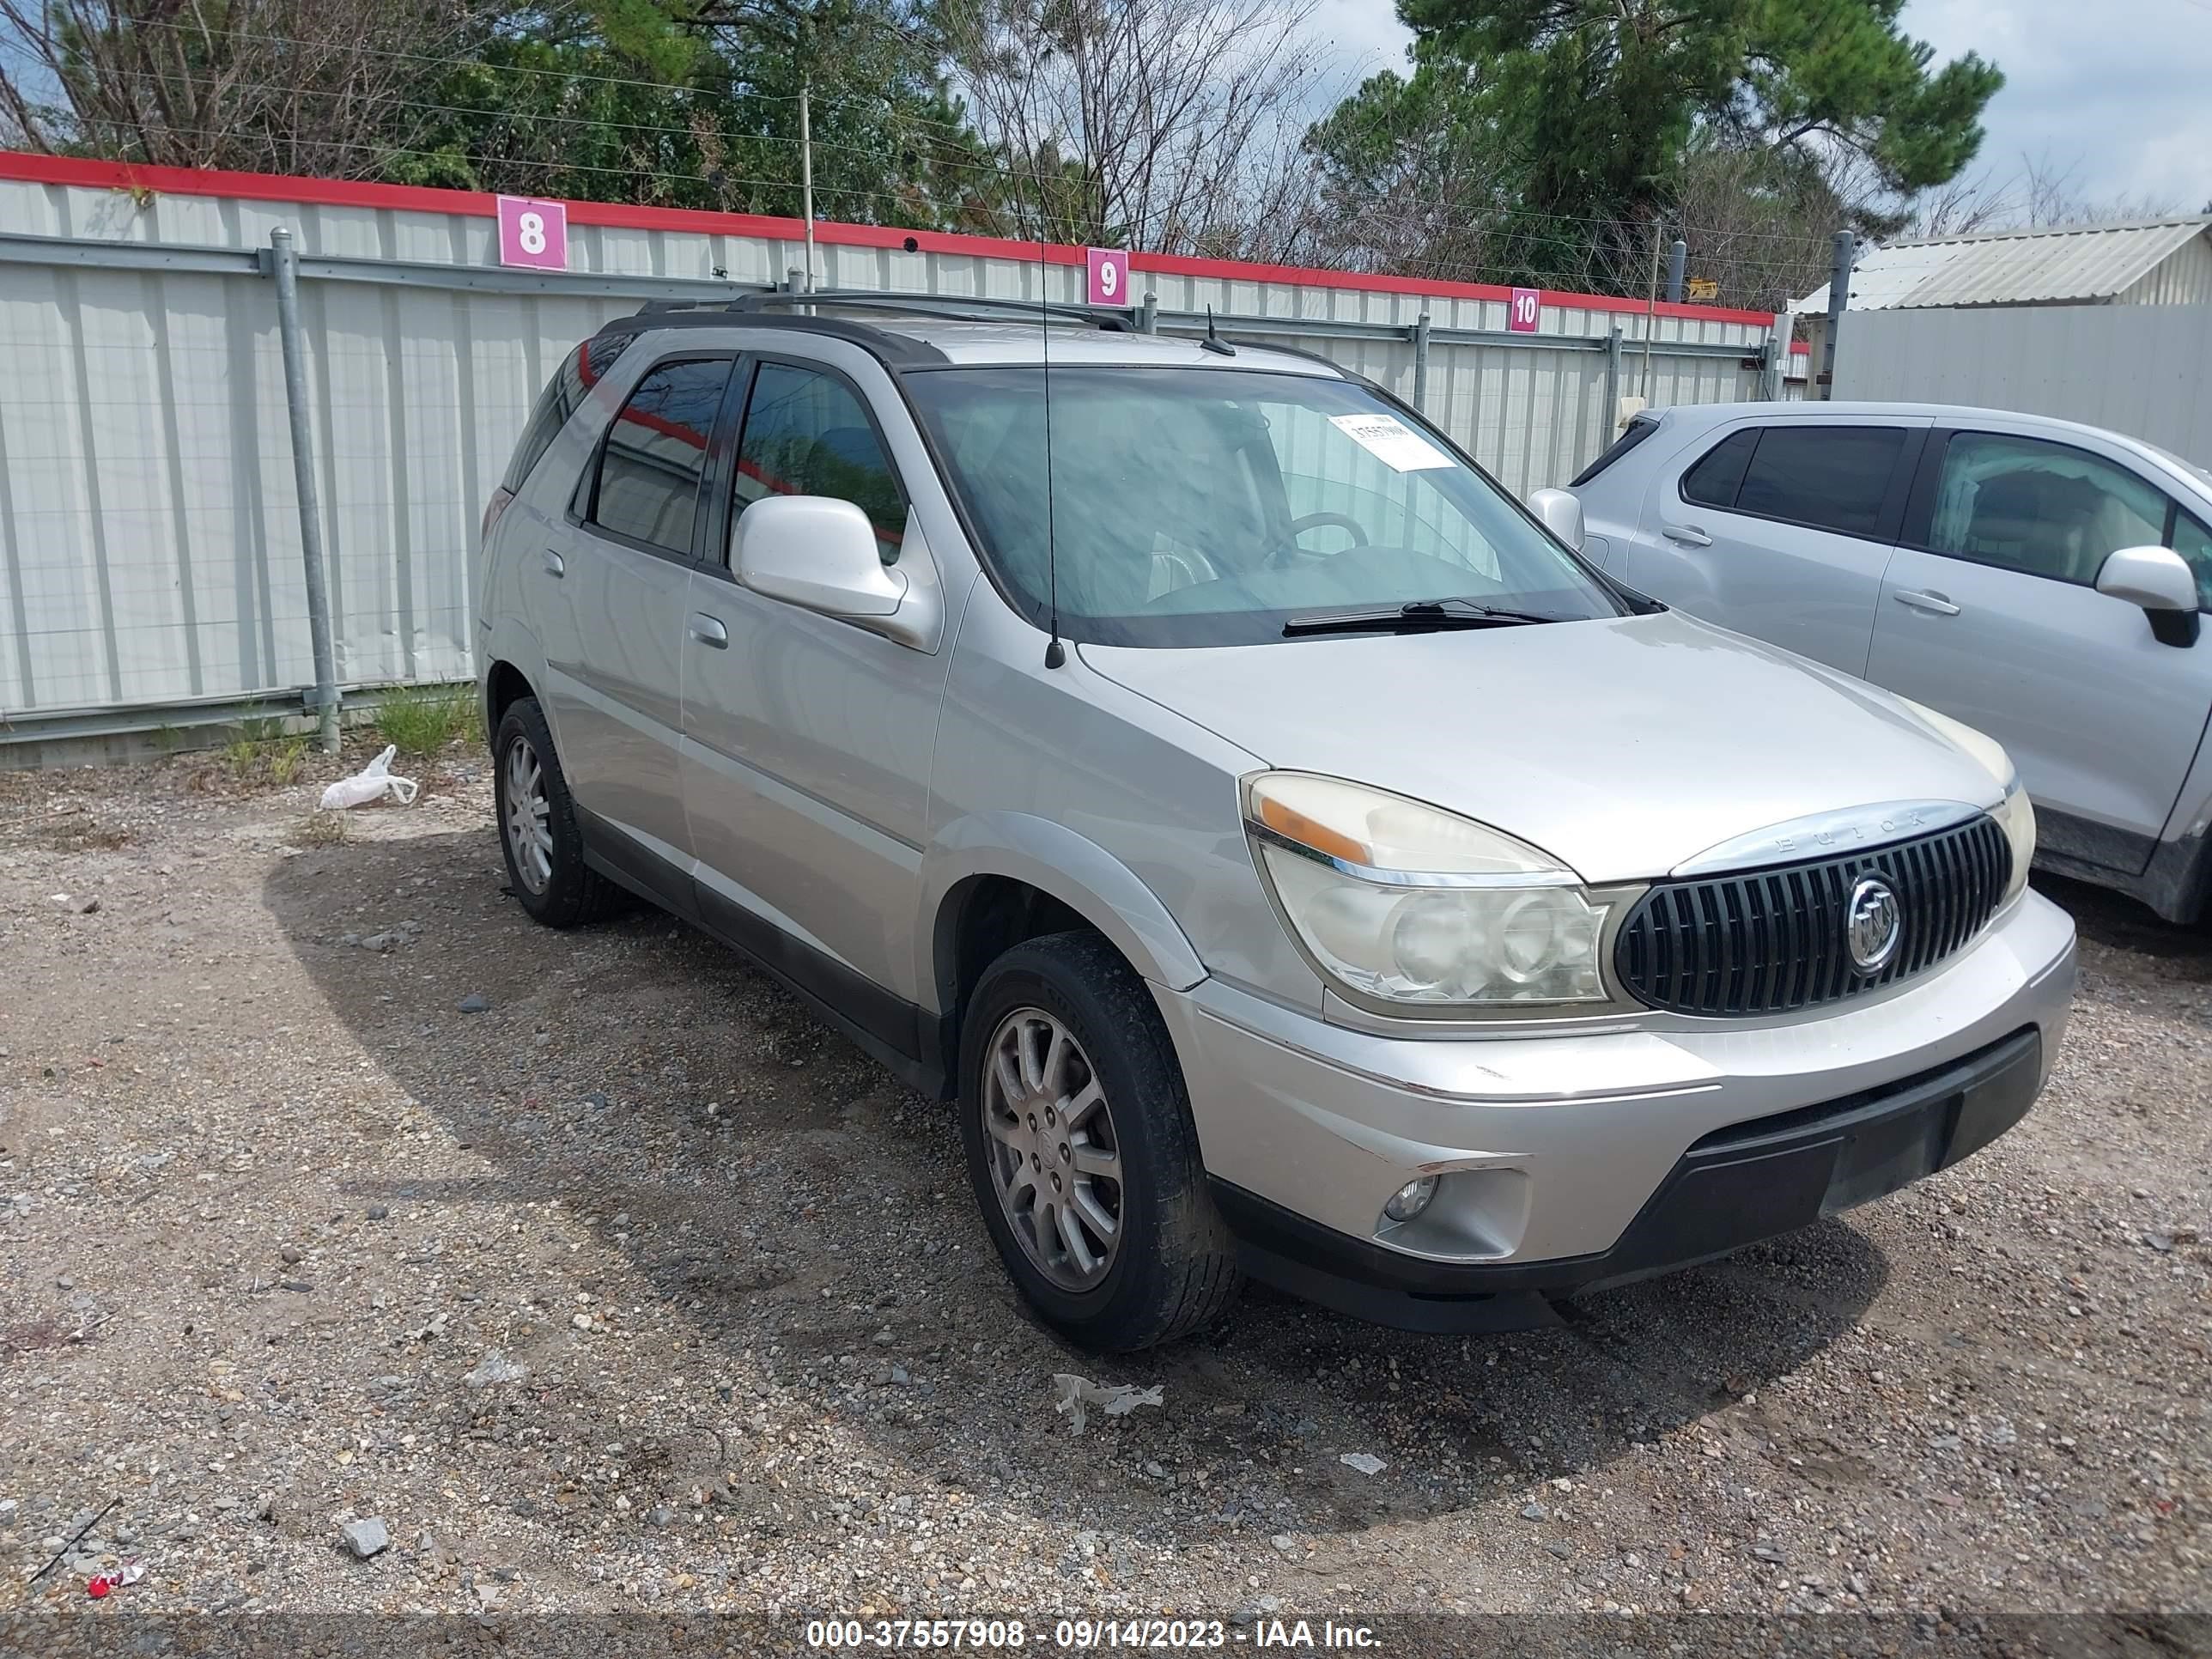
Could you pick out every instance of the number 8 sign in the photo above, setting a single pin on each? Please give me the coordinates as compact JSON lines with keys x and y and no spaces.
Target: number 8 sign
{"x":1110,"y":276}
{"x":533,"y":233}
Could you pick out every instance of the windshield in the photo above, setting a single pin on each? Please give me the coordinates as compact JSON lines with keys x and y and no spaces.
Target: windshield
{"x":1210,"y":507}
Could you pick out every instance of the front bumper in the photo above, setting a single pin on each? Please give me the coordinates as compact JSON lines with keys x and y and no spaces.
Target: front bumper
{"x":1569,"y":1162}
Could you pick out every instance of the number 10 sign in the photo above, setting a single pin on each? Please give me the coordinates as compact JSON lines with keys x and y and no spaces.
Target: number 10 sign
{"x":533,"y":233}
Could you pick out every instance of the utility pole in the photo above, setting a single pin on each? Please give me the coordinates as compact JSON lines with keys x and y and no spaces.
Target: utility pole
{"x":1839,"y":296}
{"x":807,"y":172}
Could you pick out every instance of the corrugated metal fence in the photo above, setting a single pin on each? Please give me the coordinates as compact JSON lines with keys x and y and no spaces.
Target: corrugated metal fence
{"x":149,"y":557}
{"x":2136,"y":369}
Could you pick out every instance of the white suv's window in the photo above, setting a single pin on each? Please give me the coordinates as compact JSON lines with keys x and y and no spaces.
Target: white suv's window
{"x":2044,"y":508}
{"x":2194,"y":543}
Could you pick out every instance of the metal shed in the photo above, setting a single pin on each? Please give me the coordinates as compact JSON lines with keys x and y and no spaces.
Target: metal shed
{"x":2107,"y":323}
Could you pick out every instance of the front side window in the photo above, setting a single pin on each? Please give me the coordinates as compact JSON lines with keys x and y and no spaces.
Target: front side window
{"x":656,"y":453}
{"x":2044,"y":508}
{"x":806,"y":434}
{"x":1195,"y":507}
{"x":1825,"y":478}
{"x":2194,"y":543}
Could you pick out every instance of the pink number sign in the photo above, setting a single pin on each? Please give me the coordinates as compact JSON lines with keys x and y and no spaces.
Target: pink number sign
{"x":1526,"y":307}
{"x":1110,"y":276}
{"x":533,"y":233}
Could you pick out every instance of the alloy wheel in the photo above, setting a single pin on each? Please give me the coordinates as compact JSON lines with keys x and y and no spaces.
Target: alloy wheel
{"x":1054,"y":1159}
{"x":529,"y":822}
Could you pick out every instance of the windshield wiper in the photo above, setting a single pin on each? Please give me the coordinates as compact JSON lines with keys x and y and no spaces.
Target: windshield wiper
{"x":1415,"y":615}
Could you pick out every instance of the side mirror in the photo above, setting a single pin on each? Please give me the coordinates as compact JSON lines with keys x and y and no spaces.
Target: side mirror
{"x":2160,"y":580}
{"x":1561,"y":513}
{"x":816,"y":552}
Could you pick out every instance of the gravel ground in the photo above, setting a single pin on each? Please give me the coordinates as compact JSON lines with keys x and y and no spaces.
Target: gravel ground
{"x":602,"y":1277}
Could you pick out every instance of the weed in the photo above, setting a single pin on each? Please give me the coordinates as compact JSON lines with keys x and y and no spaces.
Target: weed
{"x":423,"y":722}
{"x":240,"y":754}
{"x":318,"y":828}
{"x":285,"y":759}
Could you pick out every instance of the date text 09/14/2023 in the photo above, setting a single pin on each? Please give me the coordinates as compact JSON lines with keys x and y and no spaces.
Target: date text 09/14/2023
{"x":1087,"y":1634}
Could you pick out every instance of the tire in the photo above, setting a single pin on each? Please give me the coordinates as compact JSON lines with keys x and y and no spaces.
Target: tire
{"x":565,"y":892}
{"x":1173,"y":1263}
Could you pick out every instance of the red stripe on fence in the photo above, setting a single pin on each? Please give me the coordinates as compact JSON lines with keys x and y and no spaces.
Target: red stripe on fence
{"x":31,"y":168}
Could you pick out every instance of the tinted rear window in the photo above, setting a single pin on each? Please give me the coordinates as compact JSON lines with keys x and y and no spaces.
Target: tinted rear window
{"x":571,"y":384}
{"x":1639,"y":429}
{"x":656,"y":453}
{"x":1831,"y":477}
{"x":1714,"y":481}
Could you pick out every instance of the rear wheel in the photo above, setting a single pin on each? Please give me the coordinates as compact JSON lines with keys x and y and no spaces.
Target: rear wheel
{"x":537,"y":829}
{"x":1082,"y":1151}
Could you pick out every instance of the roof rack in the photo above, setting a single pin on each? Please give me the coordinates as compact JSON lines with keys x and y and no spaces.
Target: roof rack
{"x":958,"y":308}
{"x":891,"y":349}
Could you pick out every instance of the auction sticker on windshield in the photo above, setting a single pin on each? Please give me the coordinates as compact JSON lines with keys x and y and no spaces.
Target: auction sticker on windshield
{"x":1391,"y":442}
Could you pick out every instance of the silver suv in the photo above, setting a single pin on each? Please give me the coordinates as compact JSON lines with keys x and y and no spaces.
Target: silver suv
{"x":1293,"y":860}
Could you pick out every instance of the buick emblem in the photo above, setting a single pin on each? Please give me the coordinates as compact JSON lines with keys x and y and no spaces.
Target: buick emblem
{"x":1872,"y":924}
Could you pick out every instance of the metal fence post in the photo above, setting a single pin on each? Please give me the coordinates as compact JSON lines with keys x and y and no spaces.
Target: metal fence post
{"x":1421,"y":364}
{"x":286,"y":260}
{"x":1678,"y":260}
{"x":1613,"y":379}
{"x":1839,"y":296}
{"x":1148,"y":315}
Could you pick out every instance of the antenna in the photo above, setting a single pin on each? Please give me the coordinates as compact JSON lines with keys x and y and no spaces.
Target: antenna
{"x":1213,"y":342}
{"x":1055,"y":653}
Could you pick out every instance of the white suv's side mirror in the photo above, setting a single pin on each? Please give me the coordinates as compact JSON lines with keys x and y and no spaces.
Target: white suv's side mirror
{"x":817,"y":552}
{"x":1561,"y":513}
{"x":2160,"y":580}
{"x":2156,"y":578}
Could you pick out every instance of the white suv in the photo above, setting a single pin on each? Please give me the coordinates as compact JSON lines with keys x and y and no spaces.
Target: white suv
{"x":2038,"y":580}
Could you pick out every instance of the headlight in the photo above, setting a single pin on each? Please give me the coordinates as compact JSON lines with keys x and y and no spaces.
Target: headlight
{"x":1400,"y":901}
{"x":2014,"y":813}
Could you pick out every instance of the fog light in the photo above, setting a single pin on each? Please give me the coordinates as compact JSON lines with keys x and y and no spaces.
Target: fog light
{"x":1410,"y":1200}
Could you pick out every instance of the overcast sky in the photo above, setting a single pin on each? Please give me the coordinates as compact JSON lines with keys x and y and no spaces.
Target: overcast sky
{"x":2120,"y":91}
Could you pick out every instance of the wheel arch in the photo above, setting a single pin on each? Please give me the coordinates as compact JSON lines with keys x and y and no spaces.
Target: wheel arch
{"x":995,"y":879}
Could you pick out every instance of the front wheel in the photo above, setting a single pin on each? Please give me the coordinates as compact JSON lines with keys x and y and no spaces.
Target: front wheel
{"x":1082,"y":1151}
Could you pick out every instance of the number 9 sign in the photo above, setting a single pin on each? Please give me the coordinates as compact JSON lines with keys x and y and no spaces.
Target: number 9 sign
{"x":533,"y":233}
{"x":1110,"y":276}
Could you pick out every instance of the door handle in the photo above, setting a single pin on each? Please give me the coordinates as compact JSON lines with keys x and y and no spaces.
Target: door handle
{"x":1935,"y":604}
{"x":1688,"y":534}
{"x":710,"y":631}
{"x":554,"y":567}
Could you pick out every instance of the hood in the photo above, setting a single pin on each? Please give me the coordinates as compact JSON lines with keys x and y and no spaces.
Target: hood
{"x":1623,"y":747}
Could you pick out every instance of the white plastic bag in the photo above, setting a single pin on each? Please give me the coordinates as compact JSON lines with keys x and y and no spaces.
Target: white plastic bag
{"x":373,"y":783}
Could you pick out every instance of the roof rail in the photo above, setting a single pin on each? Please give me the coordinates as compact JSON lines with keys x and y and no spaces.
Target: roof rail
{"x":890,"y":348}
{"x":959,"y":308}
